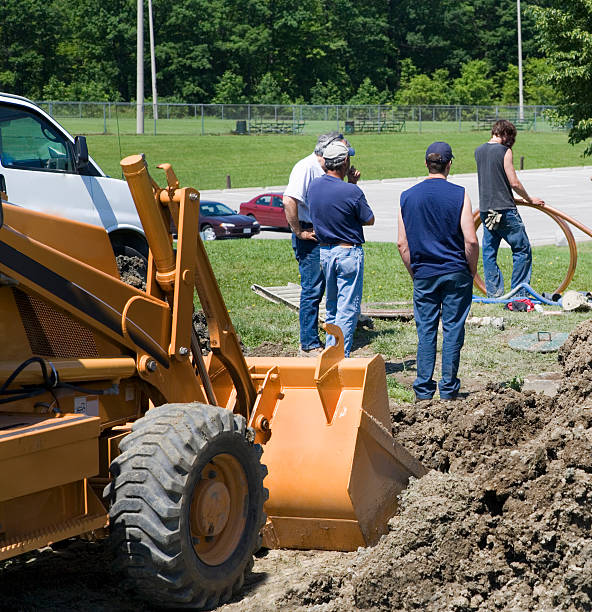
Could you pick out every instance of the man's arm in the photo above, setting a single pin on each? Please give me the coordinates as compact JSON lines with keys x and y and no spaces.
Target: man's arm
{"x":403,"y":245}
{"x":467,"y":226}
{"x":291,"y":210}
{"x":515,"y":183}
{"x":369,"y":222}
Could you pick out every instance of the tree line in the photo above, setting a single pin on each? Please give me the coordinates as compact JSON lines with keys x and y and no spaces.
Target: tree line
{"x":276,"y":52}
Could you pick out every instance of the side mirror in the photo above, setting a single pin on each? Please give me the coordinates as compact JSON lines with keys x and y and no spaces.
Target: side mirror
{"x":80,"y":152}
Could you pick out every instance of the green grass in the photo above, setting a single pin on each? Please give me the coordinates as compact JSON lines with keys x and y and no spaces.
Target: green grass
{"x":486,"y":355}
{"x":204,"y":161}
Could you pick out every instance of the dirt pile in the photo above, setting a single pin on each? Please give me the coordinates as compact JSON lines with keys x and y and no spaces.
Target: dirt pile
{"x":503,"y":522}
{"x":132,"y":271}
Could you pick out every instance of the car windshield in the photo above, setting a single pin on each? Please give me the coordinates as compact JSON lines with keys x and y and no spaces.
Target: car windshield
{"x":215,"y":209}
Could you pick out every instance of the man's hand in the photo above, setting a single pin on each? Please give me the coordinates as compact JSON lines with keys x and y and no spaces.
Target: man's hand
{"x":353,"y":175}
{"x":307,"y":235}
{"x":537,"y":201}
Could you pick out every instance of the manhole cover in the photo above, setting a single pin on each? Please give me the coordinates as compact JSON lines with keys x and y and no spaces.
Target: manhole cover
{"x":539,"y":342}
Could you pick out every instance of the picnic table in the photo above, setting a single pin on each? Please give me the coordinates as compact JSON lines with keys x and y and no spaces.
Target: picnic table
{"x":379,"y":125}
{"x":485,"y":123}
{"x":276,"y":127}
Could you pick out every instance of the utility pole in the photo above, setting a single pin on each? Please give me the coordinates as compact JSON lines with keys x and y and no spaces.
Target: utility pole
{"x":152,"y":62}
{"x":140,"y":70}
{"x":520,"y":81}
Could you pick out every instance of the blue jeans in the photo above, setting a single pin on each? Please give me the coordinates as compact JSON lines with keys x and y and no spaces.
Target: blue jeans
{"x":511,"y":229}
{"x":448,"y":297}
{"x":312,"y":283}
{"x":344,"y":274}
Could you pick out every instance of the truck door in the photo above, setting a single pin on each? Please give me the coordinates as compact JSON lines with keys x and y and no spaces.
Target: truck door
{"x":39,"y":170}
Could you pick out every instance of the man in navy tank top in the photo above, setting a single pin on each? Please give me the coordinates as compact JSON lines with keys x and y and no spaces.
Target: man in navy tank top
{"x":439,"y":247}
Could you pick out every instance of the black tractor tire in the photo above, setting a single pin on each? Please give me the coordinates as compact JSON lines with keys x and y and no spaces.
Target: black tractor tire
{"x":177,"y":459}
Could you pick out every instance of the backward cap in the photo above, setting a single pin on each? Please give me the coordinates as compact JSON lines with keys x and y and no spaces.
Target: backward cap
{"x":336,"y":153}
{"x":440,"y":151}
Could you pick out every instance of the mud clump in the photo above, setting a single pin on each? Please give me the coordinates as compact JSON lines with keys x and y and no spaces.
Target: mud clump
{"x":504,"y":519}
{"x":132,"y":271}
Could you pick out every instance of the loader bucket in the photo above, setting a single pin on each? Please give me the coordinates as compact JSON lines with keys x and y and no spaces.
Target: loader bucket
{"x":334,"y":469}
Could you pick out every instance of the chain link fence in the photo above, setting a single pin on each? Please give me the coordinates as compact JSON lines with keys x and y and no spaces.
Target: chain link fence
{"x":254,"y":119}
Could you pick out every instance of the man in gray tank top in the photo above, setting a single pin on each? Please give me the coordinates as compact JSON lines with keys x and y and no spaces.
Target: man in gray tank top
{"x":501,"y":220}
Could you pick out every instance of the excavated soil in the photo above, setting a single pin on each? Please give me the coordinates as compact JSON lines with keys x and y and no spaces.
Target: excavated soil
{"x":501,"y":522}
{"x":132,"y":271}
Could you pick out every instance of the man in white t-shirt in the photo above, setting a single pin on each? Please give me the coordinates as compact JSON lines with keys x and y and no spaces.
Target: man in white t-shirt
{"x":304,"y":242}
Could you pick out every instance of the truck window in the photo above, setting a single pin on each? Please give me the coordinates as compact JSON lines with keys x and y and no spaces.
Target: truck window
{"x":28,"y":142}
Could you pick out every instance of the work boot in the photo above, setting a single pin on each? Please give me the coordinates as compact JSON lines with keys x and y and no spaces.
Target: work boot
{"x":313,"y":352}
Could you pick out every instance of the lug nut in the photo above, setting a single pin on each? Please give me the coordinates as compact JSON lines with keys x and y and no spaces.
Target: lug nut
{"x":183,"y":351}
{"x":151,"y":365}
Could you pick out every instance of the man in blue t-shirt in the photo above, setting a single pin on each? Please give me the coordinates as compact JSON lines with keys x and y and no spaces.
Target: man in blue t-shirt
{"x":339,"y":211}
{"x":439,"y":247}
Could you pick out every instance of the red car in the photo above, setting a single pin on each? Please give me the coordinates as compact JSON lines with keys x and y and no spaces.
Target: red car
{"x":267,"y":208}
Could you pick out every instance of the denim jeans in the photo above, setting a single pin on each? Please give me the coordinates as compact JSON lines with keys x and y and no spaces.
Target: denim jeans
{"x":511,"y":229}
{"x":447,"y":297}
{"x":312,"y":283}
{"x":344,"y":275}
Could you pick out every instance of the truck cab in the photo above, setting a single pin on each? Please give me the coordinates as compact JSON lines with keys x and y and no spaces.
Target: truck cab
{"x":44,"y":168}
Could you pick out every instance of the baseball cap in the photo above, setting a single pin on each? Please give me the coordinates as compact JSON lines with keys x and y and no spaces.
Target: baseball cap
{"x":337,"y":152}
{"x":442,"y":149}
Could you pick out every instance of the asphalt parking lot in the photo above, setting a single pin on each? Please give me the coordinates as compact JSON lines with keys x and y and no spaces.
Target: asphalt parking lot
{"x":567,"y":189}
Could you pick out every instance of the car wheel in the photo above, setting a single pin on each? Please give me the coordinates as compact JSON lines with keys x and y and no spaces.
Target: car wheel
{"x":207,"y":233}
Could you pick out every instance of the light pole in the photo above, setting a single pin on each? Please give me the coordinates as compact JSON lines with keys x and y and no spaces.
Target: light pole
{"x":520,"y":81}
{"x":152,"y":62}
{"x":140,"y":70}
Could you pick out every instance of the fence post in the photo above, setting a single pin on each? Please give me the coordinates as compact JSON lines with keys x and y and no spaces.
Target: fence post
{"x":419,"y":117}
{"x":104,"y":118}
{"x":459,"y":115}
{"x":80,"y":110}
{"x":248,"y":118}
{"x":534,"y":121}
{"x":337,"y":115}
{"x":202,"y":121}
{"x":378,"y":118}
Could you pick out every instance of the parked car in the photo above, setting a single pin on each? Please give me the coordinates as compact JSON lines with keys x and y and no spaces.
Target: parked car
{"x":267,"y":208}
{"x":216,"y":220}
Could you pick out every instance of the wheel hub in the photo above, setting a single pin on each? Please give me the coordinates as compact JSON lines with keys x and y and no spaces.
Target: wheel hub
{"x":212,"y":507}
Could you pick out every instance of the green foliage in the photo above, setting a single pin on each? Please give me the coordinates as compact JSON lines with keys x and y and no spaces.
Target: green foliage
{"x":230,"y":89}
{"x":422,"y":89}
{"x":313,"y":51}
{"x":474,"y":86}
{"x":368,"y":94}
{"x":269,"y":92}
{"x":326,"y":93}
{"x":537,"y":89}
{"x":565,"y":35}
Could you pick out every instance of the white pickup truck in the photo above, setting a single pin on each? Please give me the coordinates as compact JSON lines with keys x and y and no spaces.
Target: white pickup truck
{"x":44,"y":168}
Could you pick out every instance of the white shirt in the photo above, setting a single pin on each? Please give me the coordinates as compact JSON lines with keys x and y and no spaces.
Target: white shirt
{"x":301,"y":176}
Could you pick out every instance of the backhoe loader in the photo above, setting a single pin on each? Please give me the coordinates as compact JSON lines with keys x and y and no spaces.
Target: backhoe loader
{"x":112,"y":420}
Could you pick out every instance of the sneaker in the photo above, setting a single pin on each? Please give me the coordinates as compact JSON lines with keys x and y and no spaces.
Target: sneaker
{"x":422,"y":400}
{"x":313,"y":352}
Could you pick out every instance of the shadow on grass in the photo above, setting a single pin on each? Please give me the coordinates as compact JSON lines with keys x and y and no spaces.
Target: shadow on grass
{"x":399,"y":366}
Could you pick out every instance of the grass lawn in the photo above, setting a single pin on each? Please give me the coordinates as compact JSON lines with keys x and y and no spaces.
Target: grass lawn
{"x":486,"y":355}
{"x":204,"y":161}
